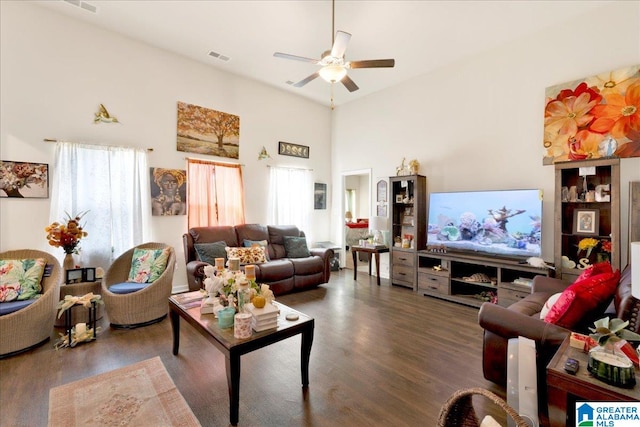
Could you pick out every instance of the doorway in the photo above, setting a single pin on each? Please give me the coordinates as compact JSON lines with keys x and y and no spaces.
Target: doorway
{"x":355,"y":204}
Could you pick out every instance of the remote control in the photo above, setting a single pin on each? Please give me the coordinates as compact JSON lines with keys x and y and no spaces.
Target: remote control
{"x":571,"y":366}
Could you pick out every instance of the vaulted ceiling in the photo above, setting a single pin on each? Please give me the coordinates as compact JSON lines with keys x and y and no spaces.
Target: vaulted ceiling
{"x":420,"y":35}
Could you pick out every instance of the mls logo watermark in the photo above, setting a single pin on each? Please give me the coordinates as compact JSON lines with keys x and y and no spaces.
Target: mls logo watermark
{"x":607,"y":414}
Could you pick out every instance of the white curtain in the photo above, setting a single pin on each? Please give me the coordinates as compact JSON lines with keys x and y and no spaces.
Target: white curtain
{"x":112,"y":185}
{"x":291,"y":198}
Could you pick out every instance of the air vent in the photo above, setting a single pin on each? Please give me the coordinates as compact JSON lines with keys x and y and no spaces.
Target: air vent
{"x":219,"y":56}
{"x":82,"y":5}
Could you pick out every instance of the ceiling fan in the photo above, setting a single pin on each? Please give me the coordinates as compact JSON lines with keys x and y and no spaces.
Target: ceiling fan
{"x":334,"y":66}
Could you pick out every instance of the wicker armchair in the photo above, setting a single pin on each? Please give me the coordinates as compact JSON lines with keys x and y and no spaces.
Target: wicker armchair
{"x":32,"y":325}
{"x":458,"y":410}
{"x":143,"y":307}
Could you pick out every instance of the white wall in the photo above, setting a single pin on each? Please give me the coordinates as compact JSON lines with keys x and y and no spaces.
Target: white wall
{"x":55,"y":71}
{"x":478,"y":124}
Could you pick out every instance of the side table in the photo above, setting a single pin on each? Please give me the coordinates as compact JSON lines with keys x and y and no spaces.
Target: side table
{"x":564,"y":389}
{"x":81,"y":288}
{"x":370,"y":251}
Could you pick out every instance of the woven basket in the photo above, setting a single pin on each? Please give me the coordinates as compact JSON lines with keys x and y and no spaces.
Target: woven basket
{"x":458,"y":410}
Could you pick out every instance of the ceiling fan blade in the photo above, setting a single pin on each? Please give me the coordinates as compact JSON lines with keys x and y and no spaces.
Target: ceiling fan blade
{"x":306,"y":80}
{"x":340,"y":44}
{"x":372,"y":63}
{"x":295,"y":57}
{"x":349,"y":84}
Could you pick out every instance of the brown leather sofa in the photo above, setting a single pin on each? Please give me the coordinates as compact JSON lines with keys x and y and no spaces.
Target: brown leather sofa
{"x":282,"y":274}
{"x":523,"y":319}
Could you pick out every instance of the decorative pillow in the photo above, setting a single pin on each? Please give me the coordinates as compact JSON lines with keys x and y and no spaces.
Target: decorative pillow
{"x":208,"y":252}
{"x":296,"y":247}
{"x":20,"y":278}
{"x":148,"y":264}
{"x":599,"y":268}
{"x":250,"y":243}
{"x":582,"y":297}
{"x":547,"y":305}
{"x":253,"y":255}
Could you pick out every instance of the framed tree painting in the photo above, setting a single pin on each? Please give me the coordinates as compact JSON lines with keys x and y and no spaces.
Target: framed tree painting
{"x":205,"y":131}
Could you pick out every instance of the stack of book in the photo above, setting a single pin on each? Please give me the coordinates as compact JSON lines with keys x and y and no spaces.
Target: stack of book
{"x":263,"y":318}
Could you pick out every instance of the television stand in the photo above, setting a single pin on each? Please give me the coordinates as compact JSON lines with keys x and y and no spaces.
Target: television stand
{"x":474,"y":279}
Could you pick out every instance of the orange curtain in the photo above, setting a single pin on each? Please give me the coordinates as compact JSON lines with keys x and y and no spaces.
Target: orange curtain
{"x":215,"y":193}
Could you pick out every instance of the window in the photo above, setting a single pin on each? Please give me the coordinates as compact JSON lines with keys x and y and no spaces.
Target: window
{"x":111,"y":184}
{"x":291,"y":198}
{"x":215,"y":193}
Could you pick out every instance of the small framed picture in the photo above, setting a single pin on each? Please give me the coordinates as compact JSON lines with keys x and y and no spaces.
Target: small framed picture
{"x":586,"y":221}
{"x":398,"y":198}
{"x":89,"y":274}
{"x":74,"y":276}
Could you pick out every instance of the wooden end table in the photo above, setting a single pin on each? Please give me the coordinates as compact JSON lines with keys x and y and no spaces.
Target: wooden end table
{"x":564,"y":389}
{"x":370,"y":251}
{"x":233,"y":348}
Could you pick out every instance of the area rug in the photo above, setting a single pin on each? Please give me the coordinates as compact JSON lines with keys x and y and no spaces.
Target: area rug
{"x":142,"y":394}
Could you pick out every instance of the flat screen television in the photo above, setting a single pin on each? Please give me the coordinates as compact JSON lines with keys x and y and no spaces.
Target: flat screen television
{"x":502,"y":223}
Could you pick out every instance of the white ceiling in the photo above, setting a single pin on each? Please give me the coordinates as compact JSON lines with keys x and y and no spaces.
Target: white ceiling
{"x":420,"y":35}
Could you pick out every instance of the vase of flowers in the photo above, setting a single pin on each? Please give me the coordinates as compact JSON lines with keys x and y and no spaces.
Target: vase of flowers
{"x":232,"y":288}
{"x":67,"y":235}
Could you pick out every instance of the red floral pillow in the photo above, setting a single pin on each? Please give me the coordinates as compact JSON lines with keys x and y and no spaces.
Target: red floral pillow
{"x":582,"y":297}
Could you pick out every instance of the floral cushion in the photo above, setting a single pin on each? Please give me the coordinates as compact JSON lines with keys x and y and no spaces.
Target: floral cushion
{"x":20,"y":278}
{"x":252,"y":255}
{"x":249,"y":243}
{"x":148,"y":264}
{"x":296,"y":247}
{"x":208,"y":252}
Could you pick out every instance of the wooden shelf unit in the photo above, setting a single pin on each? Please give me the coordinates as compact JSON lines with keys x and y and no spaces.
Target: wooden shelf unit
{"x":442,"y":275}
{"x":408,"y":218}
{"x":568,"y":175}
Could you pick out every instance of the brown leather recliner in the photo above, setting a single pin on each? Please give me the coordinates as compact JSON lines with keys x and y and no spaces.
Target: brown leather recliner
{"x":523,"y":319}
{"x":282,"y":274}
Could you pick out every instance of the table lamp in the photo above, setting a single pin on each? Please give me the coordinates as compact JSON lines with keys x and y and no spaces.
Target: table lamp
{"x":376,"y":224}
{"x":635,"y":269}
{"x":348,"y":216}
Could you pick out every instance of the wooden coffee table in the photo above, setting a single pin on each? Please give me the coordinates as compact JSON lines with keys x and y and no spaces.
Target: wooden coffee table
{"x":233,"y":348}
{"x":564,"y":389}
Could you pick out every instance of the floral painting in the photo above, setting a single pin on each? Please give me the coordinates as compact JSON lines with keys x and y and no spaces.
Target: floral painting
{"x":595,"y":117}
{"x":205,"y":131}
{"x":23,"y":179}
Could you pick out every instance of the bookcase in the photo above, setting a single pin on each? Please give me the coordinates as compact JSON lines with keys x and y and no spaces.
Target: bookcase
{"x":408,"y":226}
{"x":587,"y":206}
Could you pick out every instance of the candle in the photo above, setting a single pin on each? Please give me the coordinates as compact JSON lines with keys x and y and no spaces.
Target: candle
{"x":242,"y":325}
{"x":81,"y":329}
{"x":250,"y":272}
{"x":219,"y":264}
{"x":234,"y":264}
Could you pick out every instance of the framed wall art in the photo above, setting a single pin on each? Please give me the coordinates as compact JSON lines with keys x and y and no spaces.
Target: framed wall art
{"x":168,"y":192}
{"x":586,"y":221}
{"x":592,"y":117}
{"x":24,"y":179}
{"x":294,"y":150}
{"x":205,"y":131}
{"x":320,"y":196}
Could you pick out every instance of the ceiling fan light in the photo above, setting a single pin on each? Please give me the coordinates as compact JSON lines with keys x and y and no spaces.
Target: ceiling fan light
{"x":333,"y":73}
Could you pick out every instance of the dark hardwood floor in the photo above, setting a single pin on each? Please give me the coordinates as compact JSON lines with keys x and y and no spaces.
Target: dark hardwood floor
{"x":381,"y":356}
